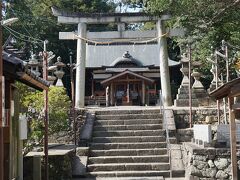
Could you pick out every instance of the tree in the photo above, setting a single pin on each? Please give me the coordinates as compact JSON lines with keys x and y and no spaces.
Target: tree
{"x":31,"y":101}
{"x":208,"y":22}
{"x":36,"y":21}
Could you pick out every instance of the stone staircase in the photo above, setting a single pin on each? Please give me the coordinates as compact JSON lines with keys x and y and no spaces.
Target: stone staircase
{"x":128,"y":143}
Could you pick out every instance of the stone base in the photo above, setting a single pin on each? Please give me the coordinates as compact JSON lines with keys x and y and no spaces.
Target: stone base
{"x":182,"y":99}
{"x":185,"y":102}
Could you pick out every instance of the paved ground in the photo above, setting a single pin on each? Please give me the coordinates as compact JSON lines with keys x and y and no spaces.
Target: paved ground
{"x":140,"y":178}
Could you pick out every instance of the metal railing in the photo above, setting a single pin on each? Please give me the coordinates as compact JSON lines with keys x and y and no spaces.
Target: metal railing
{"x":165,"y":126}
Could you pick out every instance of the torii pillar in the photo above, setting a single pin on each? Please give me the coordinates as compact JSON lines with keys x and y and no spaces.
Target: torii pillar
{"x":164,"y":68}
{"x":80,"y":66}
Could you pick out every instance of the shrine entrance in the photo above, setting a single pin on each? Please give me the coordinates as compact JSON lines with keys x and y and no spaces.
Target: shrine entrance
{"x":127,"y":88}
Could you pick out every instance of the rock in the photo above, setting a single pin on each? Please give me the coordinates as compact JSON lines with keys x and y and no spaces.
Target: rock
{"x":221,"y":163}
{"x":199,"y":158}
{"x":228,"y":169}
{"x":210,"y":172}
{"x":211,"y":164}
{"x":195,"y":172}
{"x":209,"y":119}
{"x":200,"y":164}
{"x":221,"y":175}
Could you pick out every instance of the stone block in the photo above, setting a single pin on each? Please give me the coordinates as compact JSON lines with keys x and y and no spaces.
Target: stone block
{"x":221,"y":175}
{"x":223,"y":133}
{"x":79,"y":165}
{"x":202,"y":132}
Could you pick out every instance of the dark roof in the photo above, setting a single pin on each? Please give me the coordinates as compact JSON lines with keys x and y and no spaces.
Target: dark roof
{"x":231,"y":88}
{"x":126,"y":59}
{"x":106,"y":81}
{"x":57,"y":12}
{"x":13,"y":68}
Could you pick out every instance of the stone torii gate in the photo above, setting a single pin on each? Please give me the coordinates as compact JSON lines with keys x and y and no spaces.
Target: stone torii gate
{"x":82,"y":19}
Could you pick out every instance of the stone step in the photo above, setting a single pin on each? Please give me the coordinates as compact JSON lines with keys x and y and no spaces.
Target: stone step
{"x":124,"y":178}
{"x":128,"y":167}
{"x":128,"y":116}
{"x":137,"y":111}
{"x":129,"y":173}
{"x":139,"y":145}
{"x":129,"y":152}
{"x":128,"y":122}
{"x":128,"y":159}
{"x":128,"y":127}
{"x":159,"y":132}
{"x":128,"y":139}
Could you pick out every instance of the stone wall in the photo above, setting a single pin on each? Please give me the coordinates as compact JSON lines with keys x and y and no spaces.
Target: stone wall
{"x":200,"y":116}
{"x":206,"y":163}
{"x":184,"y":135}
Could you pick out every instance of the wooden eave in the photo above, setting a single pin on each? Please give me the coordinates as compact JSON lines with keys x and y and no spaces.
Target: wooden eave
{"x":14,"y":69}
{"x":230,"y":89}
{"x":109,"y":80}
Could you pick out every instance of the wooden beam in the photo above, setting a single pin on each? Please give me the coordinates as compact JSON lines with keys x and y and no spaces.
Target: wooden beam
{"x":233,"y":141}
{"x":236,"y":106}
{"x":234,"y":91}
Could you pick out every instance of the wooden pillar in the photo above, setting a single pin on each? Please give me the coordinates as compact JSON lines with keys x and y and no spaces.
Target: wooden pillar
{"x":128,"y":93}
{"x":93,"y":87}
{"x":111,"y":95}
{"x":233,"y":141}
{"x":107,"y":96}
{"x":143,"y":92}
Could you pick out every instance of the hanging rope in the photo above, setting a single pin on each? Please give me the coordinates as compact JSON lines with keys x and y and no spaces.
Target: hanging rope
{"x":133,"y":41}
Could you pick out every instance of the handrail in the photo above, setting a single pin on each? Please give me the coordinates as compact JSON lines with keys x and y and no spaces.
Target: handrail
{"x":165,"y":125}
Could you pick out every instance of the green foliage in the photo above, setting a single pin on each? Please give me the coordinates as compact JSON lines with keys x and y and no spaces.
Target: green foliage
{"x":36,"y":20}
{"x":32,"y":101}
{"x":207,"y":22}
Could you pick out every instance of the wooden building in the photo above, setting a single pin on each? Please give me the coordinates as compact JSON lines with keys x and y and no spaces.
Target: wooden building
{"x":15,"y":70}
{"x":231,"y":91}
{"x":121,"y":78}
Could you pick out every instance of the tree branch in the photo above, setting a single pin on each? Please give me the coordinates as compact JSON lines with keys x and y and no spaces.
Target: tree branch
{"x":222,"y":11}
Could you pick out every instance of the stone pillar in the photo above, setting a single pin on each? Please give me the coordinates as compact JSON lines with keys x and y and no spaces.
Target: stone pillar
{"x":121,"y":28}
{"x":80,"y":66}
{"x":143,"y":93}
{"x":164,"y":68}
{"x":37,"y":167}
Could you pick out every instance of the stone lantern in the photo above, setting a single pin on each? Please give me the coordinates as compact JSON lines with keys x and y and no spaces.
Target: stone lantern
{"x":59,"y":72}
{"x":51,"y":77}
{"x":34,"y":65}
{"x":182,"y":98}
